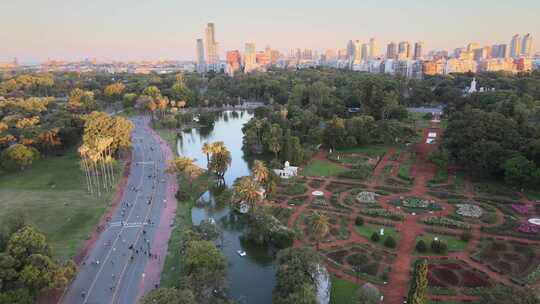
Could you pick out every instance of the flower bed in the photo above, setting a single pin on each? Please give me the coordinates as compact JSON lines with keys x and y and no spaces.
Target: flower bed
{"x":528,"y":228}
{"x":469,"y":210}
{"x":414,"y":202}
{"x":395,"y":216}
{"x":521,"y":209}
{"x":445,"y":222}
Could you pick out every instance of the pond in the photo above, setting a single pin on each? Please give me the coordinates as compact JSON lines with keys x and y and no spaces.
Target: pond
{"x":251,"y":278}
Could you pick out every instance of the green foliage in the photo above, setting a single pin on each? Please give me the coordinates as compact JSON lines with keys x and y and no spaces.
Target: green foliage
{"x":439,"y":247}
{"x":169,"y":296}
{"x":421,"y":246}
{"x":295,"y":269}
{"x":27,"y":268}
{"x":22,"y":156}
{"x":390,"y":242}
{"x":375,"y":237}
{"x":359,"y":221}
{"x":466,"y":236}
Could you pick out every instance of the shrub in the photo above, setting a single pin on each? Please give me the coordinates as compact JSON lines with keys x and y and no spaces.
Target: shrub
{"x":421,"y":246}
{"x":359,"y":221}
{"x":375,"y":237}
{"x":390,"y":242}
{"x":439,"y":247}
{"x":466,"y":236}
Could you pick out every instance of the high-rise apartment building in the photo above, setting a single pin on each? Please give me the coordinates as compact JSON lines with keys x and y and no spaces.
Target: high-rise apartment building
{"x":350,"y":49}
{"x":365,"y":52}
{"x":212,"y":58}
{"x":418,"y":50}
{"x":201,"y":64}
{"x":234,"y":62}
{"x":250,"y":58}
{"x":404,"y":50}
{"x":499,"y":51}
{"x":515,"y":46}
{"x":373,"y":48}
{"x":357,"y":52}
{"x":391,"y":50}
{"x":527,"y":47}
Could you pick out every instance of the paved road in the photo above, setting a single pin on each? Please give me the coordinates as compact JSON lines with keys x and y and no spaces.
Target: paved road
{"x":114,"y":269}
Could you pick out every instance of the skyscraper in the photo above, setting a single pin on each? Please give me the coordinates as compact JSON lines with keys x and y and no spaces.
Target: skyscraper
{"x":391,"y":50}
{"x":365,"y":52}
{"x":404,"y":49}
{"x":211,"y":46}
{"x":350,"y":49}
{"x":515,"y":46}
{"x":201,"y":64}
{"x":499,"y":51}
{"x":373,"y":48}
{"x":527,"y":46}
{"x":418,"y":50}
{"x":250,"y":58}
{"x":357,"y":52}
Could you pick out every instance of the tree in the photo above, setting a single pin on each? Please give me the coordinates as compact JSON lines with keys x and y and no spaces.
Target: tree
{"x":519,"y":171}
{"x":418,"y":289}
{"x":306,"y":294}
{"x":204,"y":266}
{"x":26,"y":242}
{"x":334,"y":133}
{"x":261,"y":173}
{"x":153,"y":92}
{"x":207,"y":149}
{"x":274,"y":139}
{"x":375,"y":237}
{"x":114,"y":90}
{"x":296,"y":267}
{"x":368,"y":294}
{"x":21,"y":155}
{"x":247,"y":191}
{"x":220,"y":159}
{"x":502,"y":294}
{"x":185,"y":167}
{"x":421,"y":246}
{"x":169,"y":296}
{"x":319,"y":226}
{"x":128,"y":100}
{"x":390,"y":242}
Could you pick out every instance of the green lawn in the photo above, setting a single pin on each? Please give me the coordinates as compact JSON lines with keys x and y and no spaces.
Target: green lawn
{"x":454,"y":243}
{"x":318,"y":167}
{"x":169,"y":136}
{"x":343,"y":292}
{"x":367,"y":230}
{"x":52,"y":196}
{"x":372,"y":150}
{"x":404,"y":171}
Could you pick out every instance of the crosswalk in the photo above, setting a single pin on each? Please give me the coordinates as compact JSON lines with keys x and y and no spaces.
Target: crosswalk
{"x":127,"y":225}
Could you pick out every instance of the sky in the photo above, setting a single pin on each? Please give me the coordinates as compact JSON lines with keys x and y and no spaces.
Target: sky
{"x":37,"y":30}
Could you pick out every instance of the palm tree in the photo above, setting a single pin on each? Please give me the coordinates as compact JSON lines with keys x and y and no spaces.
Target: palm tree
{"x":220,"y":158}
{"x":247,"y":190}
{"x":260,"y":172}
{"x":320,"y":226}
{"x":207,"y":149}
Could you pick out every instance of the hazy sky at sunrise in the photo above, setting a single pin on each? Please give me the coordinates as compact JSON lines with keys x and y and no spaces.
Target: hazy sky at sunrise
{"x":35,"y":30}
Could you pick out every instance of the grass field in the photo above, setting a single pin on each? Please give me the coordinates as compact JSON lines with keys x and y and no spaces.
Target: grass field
{"x":51,"y":194}
{"x":169,"y":136}
{"x":367,"y":230}
{"x":322,"y":168}
{"x":454,"y":243}
{"x":373,"y":150}
{"x":343,"y":292}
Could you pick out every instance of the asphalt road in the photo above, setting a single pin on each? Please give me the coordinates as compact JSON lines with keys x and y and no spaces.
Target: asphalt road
{"x":113,"y":270}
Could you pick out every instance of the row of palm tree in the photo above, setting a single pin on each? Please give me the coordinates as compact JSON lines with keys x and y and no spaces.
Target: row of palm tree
{"x":98,"y":164}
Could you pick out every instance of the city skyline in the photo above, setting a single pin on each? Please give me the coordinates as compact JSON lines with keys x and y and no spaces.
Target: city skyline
{"x":133,"y":30}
